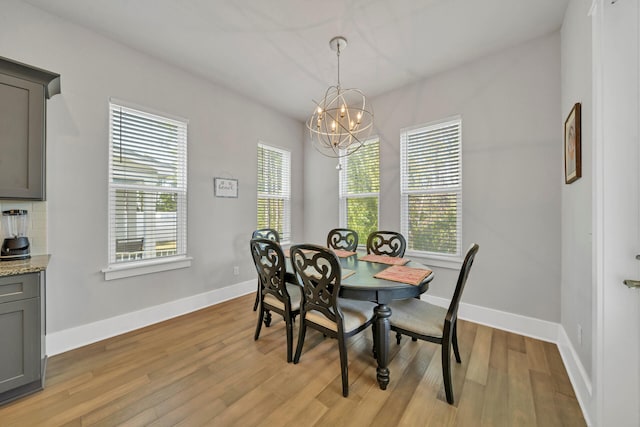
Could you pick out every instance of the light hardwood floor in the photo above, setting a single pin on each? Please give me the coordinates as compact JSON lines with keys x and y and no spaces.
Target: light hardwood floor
{"x":204,"y":368}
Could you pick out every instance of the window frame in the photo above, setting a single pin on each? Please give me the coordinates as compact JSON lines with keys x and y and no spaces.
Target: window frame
{"x":343,"y":197}
{"x":118,"y":269}
{"x":437,"y":259}
{"x":285,"y":233}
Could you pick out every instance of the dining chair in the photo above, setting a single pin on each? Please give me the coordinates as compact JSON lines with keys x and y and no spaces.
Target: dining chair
{"x":342,"y":238}
{"x":264,"y":233}
{"x":389,"y":243}
{"x":421,"y":320}
{"x":275,"y":295}
{"x":320,"y":274}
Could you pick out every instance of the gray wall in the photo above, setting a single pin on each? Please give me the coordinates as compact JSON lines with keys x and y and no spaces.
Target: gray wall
{"x":224,"y":129}
{"x":577,"y":288}
{"x":510,"y":108}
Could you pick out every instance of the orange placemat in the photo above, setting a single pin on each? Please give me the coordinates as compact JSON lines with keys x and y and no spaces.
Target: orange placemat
{"x":311,"y":272}
{"x":343,"y":254}
{"x":384,"y":259}
{"x":347,"y":273}
{"x":402,"y":274}
{"x":287,"y":254}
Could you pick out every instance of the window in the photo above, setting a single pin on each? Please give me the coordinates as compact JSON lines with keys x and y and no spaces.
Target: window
{"x":274,"y":190}
{"x":147,"y":186}
{"x":359,"y":190}
{"x":431,"y":189}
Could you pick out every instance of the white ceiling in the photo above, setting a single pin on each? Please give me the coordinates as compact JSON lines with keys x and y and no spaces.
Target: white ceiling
{"x":277,"y":51}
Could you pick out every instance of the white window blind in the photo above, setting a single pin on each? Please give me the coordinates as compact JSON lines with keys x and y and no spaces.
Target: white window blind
{"x":360,"y":189}
{"x":274,"y":190}
{"x":431,"y":188}
{"x":147,"y":185}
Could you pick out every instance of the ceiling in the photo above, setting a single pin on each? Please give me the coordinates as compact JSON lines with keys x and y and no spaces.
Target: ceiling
{"x":277,"y":51}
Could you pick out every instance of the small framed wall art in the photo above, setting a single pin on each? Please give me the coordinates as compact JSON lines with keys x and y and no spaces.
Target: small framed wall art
{"x":225,"y":187}
{"x":572,"y":146}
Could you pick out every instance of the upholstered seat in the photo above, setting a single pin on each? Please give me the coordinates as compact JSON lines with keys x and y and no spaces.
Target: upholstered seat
{"x":355,"y":313}
{"x":295,"y":293}
{"x":419,"y":316}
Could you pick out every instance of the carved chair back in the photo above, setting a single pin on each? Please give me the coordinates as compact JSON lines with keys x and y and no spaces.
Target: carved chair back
{"x":388,"y":243}
{"x":270,"y":265}
{"x":266,"y":233}
{"x":342,"y":238}
{"x":318,"y":269}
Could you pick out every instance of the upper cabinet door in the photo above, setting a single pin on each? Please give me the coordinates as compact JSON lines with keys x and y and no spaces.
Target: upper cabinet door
{"x":22,"y":139}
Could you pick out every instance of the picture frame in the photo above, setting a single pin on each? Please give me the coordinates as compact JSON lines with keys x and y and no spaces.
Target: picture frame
{"x":573,"y":145}
{"x":225,"y":187}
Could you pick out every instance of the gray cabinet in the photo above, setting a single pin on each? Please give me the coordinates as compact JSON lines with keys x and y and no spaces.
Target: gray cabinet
{"x":21,"y":335}
{"x":23,"y":90}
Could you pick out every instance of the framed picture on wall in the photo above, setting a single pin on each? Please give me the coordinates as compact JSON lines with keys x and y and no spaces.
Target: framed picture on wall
{"x":572,"y":146}
{"x":225,"y":187}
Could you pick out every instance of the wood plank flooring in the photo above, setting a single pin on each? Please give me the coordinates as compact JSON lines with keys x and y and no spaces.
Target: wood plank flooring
{"x":204,"y":368}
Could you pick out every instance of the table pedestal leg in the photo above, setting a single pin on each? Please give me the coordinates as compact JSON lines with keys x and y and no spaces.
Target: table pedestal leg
{"x":382,"y":312}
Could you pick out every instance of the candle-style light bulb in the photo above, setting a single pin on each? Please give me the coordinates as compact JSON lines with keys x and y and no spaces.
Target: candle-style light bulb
{"x":342,"y":110}
{"x":359,"y":117}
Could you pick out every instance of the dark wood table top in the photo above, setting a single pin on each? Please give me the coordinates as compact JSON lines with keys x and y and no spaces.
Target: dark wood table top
{"x":363,"y":286}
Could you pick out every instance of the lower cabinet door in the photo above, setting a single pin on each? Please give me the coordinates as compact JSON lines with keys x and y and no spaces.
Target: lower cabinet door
{"x":19,"y":343}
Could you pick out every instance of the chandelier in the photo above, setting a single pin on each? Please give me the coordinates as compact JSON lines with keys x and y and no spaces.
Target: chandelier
{"x":342,"y":120}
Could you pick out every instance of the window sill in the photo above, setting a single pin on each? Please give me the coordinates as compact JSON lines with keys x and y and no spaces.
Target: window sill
{"x":452,"y":263}
{"x":138,"y":268}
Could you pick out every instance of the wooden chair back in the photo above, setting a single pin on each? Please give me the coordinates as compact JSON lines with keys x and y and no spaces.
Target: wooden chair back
{"x":452,"y":313}
{"x":270,"y":265}
{"x":389,"y":243}
{"x":266,"y":233}
{"x":342,"y":238}
{"x":319,"y":272}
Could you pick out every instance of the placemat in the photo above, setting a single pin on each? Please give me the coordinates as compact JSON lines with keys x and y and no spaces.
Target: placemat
{"x":347,"y":273}
{"x":343,"y":254}
{"x":311,"y":272}
{"x":384,"y":259}
{"x":288,"y":255}
{"x":403,"y":274}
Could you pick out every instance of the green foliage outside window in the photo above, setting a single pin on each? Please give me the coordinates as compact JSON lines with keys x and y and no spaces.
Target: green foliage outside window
{"x":360,"y":189}
{"x":432,"y":223}
{"x":362,"y":216}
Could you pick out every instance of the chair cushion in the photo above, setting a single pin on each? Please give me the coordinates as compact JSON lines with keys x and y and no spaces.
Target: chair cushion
{"x":418,"y":316}
{"x":295,"y":293}
{"x":356,"y":313}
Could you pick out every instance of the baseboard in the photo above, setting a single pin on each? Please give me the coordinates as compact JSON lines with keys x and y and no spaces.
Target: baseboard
{"x":534,"y":328}
{"x":577,"y":374}
{"x":68,"y":339}
{"x":522,"y":325}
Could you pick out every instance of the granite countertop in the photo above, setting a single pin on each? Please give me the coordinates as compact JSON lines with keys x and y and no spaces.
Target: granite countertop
{"x":31,"y":265}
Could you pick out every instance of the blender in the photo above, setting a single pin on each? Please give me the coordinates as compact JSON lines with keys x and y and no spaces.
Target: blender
{"x":14,"y":230}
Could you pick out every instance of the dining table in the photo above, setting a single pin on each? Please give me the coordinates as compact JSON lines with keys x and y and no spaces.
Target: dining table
{"x":359,"y":283}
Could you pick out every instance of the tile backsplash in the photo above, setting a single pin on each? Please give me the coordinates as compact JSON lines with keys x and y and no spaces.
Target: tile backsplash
{"x":37,"y":231}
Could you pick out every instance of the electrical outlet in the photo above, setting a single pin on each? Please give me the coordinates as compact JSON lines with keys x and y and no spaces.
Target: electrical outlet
{"x":236,"y":270}
{"x":579,"y":334}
